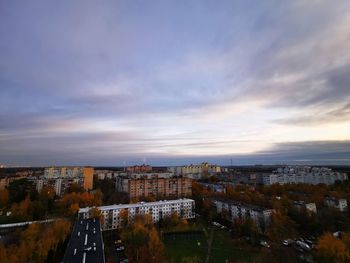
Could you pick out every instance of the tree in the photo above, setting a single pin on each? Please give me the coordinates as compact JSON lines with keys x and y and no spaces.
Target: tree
{"x":331,"y":249}
{"x":4,"y":198}
{"x":281,"y":227}
{"x":95,"y":212}
{"x":124,"y":216}
{"x":155,"y":246}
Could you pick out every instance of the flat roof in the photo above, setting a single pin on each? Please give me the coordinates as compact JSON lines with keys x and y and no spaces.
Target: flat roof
{"x":141,"y":204}
{"x":86,"y":234}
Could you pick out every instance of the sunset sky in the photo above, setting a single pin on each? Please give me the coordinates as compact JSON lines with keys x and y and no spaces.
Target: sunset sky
{"x":174,"y":82}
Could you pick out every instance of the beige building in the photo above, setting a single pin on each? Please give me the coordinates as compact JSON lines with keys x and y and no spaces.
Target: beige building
{"x":61,"y":178}
{"x":197,"y":171}
{"x":155,"y":187}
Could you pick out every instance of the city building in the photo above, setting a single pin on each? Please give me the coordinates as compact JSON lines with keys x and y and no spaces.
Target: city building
{"x":61,"y":178}
{"x":154,"y":186}
{"x":303,"y":174}
{"x":112,"y":218}
{"x":86,"y":243}
{"x":232,"y":210}
{"x":139,"y":169}
{"x":340,"y":204}
{"x":103,"y":174}
{"x":309,"y":207}
{"x":196,"y":171}
{"x":216,"y":188}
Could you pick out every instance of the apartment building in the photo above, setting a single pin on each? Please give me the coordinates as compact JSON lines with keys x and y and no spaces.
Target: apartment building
{"x":154,"y":186}
{"x":232,"y":210}
{"x":309,"y":207}
{"x":112,"y":219}
{"x":303,"y":174}
{"x":139,"y":169}
{"x":340,"y":204}
{"x":61,"y":178}
{"x":196,"y":171}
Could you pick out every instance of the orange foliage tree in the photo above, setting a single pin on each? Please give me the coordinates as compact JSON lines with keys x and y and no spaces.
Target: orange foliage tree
{"x":331,"y":249}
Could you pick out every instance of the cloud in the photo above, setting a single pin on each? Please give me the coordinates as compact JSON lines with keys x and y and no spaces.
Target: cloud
{"x":170,"y":78}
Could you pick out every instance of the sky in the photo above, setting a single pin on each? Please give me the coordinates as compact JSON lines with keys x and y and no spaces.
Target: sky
{"x":174,"y":82}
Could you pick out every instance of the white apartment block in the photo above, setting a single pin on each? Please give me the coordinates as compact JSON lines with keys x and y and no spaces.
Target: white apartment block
{"x":236,"y":210}
{"x":340,"y":204}
{"x":303,"y":174}
{"x":309,"y":207}
{"x":158,"y":210}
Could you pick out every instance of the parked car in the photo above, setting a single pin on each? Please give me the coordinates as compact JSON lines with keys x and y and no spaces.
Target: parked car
{"x":120,"y":248}
{"x":264,"y":244}
{"x":303,"y":245}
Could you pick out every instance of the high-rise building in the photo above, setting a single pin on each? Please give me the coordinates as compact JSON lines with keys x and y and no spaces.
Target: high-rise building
{"x":196,"y":171}
{"x":155,"y":186}
{"x":60,"y":178}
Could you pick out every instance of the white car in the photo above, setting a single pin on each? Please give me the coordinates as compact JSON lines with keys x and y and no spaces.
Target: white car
{"x":264,"y":244}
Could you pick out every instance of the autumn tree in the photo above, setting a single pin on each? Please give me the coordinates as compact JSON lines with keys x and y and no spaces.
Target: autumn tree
{"x":331,"y":249}
{"x":155,"y":245}
{"x":281,"y":227}
{"x":124,"y":217}
{"x":4,"y":198}
{"x":142,"y":241}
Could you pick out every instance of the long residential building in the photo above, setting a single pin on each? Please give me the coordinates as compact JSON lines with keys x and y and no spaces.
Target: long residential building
{"x":155,"y":186}
{"x":60,"y":178}
{"x":196,"y":171}
{"x":112,"y":218}
{"x":303,"y":174}
{"x":232,"y":210}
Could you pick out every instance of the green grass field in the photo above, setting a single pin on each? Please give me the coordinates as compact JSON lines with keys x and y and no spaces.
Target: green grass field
{"x":223,"y":248}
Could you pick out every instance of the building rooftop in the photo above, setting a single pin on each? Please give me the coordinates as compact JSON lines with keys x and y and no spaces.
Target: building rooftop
{"x":141,"y":204}
{"x":85,"y":244}
{"x":250,"y":206}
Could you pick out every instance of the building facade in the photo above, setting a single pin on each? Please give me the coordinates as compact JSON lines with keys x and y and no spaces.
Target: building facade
{"x":310,"y":208}
{"x":303,"y":174}
{"x":112,"y":215}
{"x":154,"y":186}
{"x":196,"y":171}
{"x":61,"y":178}
{"x":340,"y":204}
{"x":232,"y":210}
{"x":139,"y":169}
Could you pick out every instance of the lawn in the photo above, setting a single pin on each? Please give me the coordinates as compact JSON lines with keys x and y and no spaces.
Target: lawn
{"x":223,"y":248}
{"x":178,"y":248}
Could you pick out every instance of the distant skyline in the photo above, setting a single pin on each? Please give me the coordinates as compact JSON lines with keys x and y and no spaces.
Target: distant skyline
{"x":174,"y":82}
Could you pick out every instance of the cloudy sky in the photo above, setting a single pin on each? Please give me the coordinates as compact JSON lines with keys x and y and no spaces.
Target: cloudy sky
{"x":174,"y":82}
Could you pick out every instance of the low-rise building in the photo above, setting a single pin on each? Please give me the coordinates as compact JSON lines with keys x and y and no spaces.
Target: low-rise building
{"x":309,"y":207}
{"x":112,"y":214}
{"x":340,"y":204}
{"x":154,"y":186}
{"x":232,"y":210}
